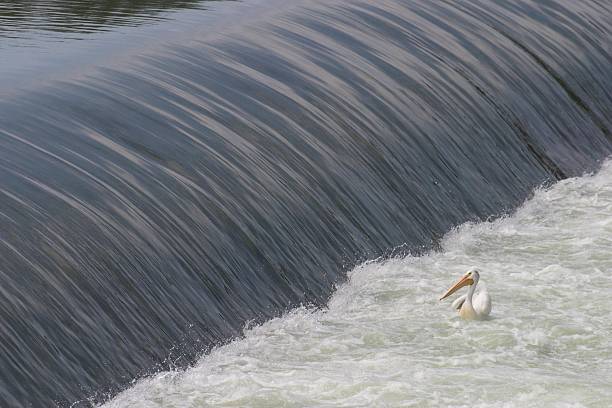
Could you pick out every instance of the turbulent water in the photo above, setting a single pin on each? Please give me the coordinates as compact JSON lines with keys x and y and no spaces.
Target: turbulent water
{"x":385,"y":339}
{"x":170,"y":171}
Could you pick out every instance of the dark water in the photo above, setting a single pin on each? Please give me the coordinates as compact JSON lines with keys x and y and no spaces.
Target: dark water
{"x":34,"y":18}
{"x":160,"y":188}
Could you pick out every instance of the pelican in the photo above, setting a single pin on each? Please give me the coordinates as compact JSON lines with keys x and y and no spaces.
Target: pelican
{"x":470,"y":307}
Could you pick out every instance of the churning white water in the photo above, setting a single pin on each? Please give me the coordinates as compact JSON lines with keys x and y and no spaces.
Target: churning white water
{"x":386,"y":340}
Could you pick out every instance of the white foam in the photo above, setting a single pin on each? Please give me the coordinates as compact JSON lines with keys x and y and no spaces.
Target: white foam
{"x":386,"y":340}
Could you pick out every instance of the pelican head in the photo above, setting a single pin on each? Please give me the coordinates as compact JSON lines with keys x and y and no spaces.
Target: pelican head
{"x":470,"y":278}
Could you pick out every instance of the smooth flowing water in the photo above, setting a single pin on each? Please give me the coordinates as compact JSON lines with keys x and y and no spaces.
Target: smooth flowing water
{"x":170,"y":171}
{"x":385,"y":339}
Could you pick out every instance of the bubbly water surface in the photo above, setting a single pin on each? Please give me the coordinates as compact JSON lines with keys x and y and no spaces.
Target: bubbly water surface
{"x":386,"y":340}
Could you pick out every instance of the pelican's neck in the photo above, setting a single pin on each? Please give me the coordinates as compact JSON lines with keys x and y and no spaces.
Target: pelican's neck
{"x":470,"y":293}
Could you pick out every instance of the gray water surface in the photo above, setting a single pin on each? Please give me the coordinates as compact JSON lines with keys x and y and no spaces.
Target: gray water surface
{"x":171,"y":173}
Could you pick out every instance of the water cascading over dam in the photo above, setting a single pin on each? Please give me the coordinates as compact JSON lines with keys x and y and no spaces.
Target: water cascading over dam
{"x":157,"y":195}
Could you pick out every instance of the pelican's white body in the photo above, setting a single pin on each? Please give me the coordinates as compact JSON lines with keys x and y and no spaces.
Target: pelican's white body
{"x":478,"y":308}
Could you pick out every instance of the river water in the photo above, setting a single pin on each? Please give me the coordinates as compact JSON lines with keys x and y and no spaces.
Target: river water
{"x":385,"y":339}
{"x":173,"y":170}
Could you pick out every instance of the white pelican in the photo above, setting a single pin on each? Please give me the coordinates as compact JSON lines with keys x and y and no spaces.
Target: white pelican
{"x":470,"y":307}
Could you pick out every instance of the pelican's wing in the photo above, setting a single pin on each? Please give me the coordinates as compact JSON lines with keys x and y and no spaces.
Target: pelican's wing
{"x":458,"y":302}
{"x":482,"y":302}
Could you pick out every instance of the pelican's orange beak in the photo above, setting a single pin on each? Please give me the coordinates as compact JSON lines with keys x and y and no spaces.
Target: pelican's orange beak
{"x":464,"y":281}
